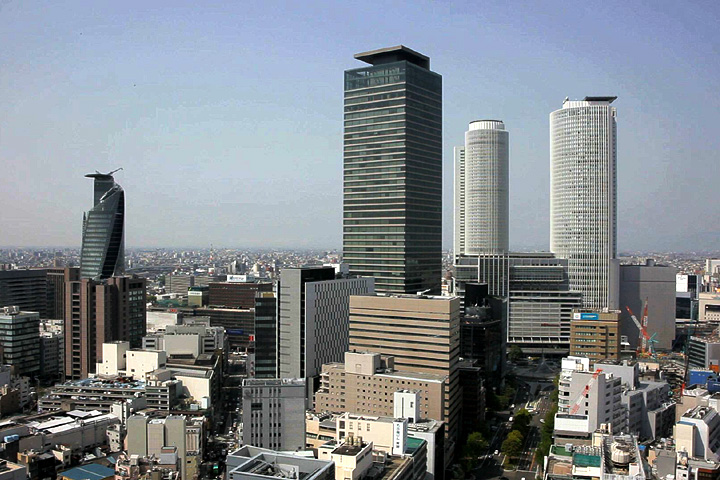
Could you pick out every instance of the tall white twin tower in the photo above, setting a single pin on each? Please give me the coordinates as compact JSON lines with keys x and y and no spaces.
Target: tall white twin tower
{"x":583,"y":199}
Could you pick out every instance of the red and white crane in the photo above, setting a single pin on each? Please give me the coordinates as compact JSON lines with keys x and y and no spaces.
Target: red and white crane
{"x":579,"y":400}
{"x":643,"y":336}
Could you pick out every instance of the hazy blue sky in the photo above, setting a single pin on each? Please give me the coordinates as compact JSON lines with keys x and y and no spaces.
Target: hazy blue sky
{"x":227,"y":116}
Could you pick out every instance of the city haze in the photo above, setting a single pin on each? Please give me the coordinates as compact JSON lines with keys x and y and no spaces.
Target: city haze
{"x":227,"y":119}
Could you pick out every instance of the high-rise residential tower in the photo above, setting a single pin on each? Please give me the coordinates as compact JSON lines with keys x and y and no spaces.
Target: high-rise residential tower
{"x":583,"y":199}
{"x":481,"y":190}
{"x":392,"y":185}
{"x":103,"y":241}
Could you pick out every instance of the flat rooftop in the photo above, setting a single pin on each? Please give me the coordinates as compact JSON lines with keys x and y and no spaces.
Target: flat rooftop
{"x":394,"y":54}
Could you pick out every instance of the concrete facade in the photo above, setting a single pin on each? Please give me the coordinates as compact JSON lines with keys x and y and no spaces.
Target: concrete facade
{"x":313,"y":319}
{"x":656,"y":285}
{"x":421,"y":333}
{"x":274,"y":413}
{"x":366,"y":383}
{"x":595,"y":335}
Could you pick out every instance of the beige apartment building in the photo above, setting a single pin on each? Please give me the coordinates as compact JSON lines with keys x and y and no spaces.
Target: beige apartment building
{"x":366,"y":384}
{"x":422,"y":333}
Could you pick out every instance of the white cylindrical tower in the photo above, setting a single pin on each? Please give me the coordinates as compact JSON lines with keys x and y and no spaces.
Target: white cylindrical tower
{"x":486,"y":188}
{"x":583,"y":200}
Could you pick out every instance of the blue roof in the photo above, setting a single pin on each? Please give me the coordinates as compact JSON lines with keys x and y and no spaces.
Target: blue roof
{"x":92,"y":471}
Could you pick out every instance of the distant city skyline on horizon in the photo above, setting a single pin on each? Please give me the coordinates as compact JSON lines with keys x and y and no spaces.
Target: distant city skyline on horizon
{"x":211,"y":158}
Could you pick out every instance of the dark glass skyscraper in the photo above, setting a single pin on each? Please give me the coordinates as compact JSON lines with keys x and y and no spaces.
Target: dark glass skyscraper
{"x":103,"y":241}
{"x":392,"y":186}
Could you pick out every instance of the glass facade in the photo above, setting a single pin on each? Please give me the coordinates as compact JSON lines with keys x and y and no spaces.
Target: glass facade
{"x":103,"y":242}
{"x":20,"y":342}
{"x":392,"y":218}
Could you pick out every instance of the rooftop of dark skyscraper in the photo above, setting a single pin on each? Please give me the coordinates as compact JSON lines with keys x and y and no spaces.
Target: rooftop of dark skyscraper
{"x":394,"y":54}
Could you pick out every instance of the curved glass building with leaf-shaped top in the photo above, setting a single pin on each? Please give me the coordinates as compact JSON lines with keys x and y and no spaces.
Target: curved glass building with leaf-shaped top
{"x":103,"y":241}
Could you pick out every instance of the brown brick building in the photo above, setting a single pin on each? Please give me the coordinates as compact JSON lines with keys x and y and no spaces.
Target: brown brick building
{"x":595,"y":335}
{"x":365,"y":385}
{"x":422,"y":333}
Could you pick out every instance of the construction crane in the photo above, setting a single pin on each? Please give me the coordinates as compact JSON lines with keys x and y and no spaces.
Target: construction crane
{"x":578,"y":401}
{"x":647,"y":341}
{"x":643,"y":335}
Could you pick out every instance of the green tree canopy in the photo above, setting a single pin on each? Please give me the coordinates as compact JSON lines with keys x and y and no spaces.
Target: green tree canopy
{"x":515,"y":353}
{"x":521,"y":421}
{"x":512,"y":446}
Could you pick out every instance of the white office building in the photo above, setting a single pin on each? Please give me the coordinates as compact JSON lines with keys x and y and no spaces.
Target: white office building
{"x":274,"y":413}
{"x":583,"y":198}
{"x":587,"y":399}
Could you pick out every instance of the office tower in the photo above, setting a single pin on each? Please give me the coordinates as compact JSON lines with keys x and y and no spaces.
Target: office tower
{"x":51,"y":355}
{"x":541,"y":304}
{"x":265,"y":336}
{"x":98,"y":312}
{"x":239,"y":324}
{"x":56,"y":279}
{"x":313,"y":312}
{"x":392,"y":218}
{"x":179,"y":283}
{"x":421,"y":332}
{"x":173,"y":440}
{"x":25,"y":289}
{"x":20,"y":340}
{"x":595,"y":335}
{"x":236,"y":294}
{"x":274,"y":413}
{"x":655,"y":285}
{"x":583,"y":199}
{"x":482,"y":331}
{"x":103,"y":240}
{"x":481,"y":190}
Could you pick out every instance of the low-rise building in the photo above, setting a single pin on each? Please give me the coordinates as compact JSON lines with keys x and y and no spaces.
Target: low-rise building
{"x":177,"y":440}
{"x":608,"y":457}
{"x":254,"y":463}
{"x":91,"y":471}
{"x":94,"y":394}
{"x":134,"y":467}
{"x":78,"y":431}
{"x":698,"y":433}
{"x":650,"y":410}
{"x":388,"y":434}
{"x":12,"y":471}
{"x":688,"y":468}
{"x":356,"y":459}
{"x":187,"y":340}
{"x":366,"y":382}
{"x":704,"y":352}
{"x":119,"y":360}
